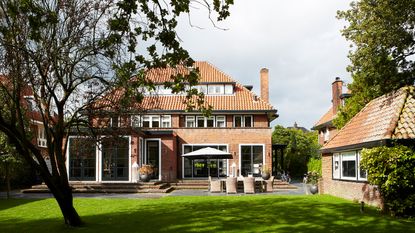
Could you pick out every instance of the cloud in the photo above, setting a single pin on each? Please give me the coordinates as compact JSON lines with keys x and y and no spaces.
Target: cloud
{"x":299,"y":41}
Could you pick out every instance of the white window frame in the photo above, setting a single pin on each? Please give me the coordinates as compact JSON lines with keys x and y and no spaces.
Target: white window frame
{"x":240,"y":155}
{"x":197,"y":122}
{"x":347,"y":156}
{"x":205,"y":144}
{"x":136,"y":121}
{"x":41,"y":136}
{"x":243,"y":125}
{"x":165,"y":119}
{"x":188,"y":120}
{"x":336,"y":172}
{"x":326,"y":134}
{"x":359,"y":157}
{"x":221,"y":119}
{"x":216,"y":89}
{"x":118,"y":122}
{"x":228,"y":89}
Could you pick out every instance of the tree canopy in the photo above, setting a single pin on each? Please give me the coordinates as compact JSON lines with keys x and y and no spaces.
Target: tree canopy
{"x":301,"y":146}
{"x":57,"y":57}
{"x":382,"y":33}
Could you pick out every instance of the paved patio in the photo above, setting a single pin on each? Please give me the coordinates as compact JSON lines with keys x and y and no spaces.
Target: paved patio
{"x":301,"y":190}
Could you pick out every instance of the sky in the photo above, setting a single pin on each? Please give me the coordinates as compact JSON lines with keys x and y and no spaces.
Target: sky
{"x":299,"y":41}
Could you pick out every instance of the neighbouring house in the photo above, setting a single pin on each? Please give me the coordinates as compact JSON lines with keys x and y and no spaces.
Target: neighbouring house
{"x":388,"y":118}
{"x":159,"y":130}
{"x":295,"y":126}
{"x":324,"y":126}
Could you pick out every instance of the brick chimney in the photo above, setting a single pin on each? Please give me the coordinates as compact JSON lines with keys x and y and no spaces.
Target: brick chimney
{"x":264,"y":84}
{"x":336,"y":90}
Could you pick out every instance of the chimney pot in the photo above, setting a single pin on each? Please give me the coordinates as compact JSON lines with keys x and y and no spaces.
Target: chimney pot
{"x":336,"y":88}
{"x":264,"y":84}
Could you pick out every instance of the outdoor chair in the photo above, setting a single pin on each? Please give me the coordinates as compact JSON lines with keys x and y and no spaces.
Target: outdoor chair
{"x":215,"y":186}
{"x":249,"y":185}
{"x":231,"y":185}
{"x":269,"y":184}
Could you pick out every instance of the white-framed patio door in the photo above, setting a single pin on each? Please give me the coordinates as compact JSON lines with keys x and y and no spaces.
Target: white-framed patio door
{"x":152,"y":155}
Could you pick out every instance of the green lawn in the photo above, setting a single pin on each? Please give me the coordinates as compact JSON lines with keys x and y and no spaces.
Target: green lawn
{"x":201,"y":214}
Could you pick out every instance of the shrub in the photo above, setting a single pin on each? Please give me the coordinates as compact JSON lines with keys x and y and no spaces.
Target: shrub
{"x":392,"y":169}
{"x":314,"y":165}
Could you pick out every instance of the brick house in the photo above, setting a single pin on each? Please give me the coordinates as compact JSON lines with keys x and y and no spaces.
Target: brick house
{"x":324,"y":126}
{"x":383,"y":120}
{"x":162,"y":130}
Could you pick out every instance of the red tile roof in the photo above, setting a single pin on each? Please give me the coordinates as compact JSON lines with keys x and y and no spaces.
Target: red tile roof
{"x":241,"y":100}
{"x":326,"y":118}
{"x":390,"y":116}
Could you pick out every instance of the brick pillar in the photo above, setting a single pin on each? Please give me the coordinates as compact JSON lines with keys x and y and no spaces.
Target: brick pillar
{"x":336,"y":90}
{"x":264,"y":84}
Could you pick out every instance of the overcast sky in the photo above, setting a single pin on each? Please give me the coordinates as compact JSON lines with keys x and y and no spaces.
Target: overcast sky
{"x":299,"y":41}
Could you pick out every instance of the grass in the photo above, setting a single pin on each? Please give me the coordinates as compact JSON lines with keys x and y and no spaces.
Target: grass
{"x":201,"y":214}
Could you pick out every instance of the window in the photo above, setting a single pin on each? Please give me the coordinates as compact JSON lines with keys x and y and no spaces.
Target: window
{"x":151,"y":121}
{"x":252,"y":158}
{"x":221,"y":121}
{"x":204,"y":167}
{"x":190,"y":121}
{"x":166,"y":121}
{"x":228,"y":89}
{"x":349,"y":165}
{"x":200,"y":121}
{"x":215,"y":89}
{"x":136,"y":121}
{"x":202,"y":88}
{"x":243,"y":121}
{"x":41,"y":136}
{"x":346,"y":166}
{"x":210,"y":122}
{"x":326,"y":134}
{"x":114,"y":121}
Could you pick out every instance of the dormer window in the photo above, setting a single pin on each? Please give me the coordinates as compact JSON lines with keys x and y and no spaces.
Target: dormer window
{"x":216,"y":89}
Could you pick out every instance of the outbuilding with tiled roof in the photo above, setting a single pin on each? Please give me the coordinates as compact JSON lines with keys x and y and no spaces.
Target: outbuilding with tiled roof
{"x":386,"y":119}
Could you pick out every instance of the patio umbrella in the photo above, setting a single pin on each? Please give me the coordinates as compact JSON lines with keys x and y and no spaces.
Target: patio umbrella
{"x":208,"y":153}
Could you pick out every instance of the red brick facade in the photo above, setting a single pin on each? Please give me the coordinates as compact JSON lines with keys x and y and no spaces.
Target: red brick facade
{"x":356,"y":191}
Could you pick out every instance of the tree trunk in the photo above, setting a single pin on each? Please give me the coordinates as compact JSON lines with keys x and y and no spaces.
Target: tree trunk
{"x":63,"y":196}
{"x":8,"y":180}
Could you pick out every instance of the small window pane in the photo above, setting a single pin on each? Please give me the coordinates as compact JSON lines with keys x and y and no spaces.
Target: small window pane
{"x":190,"y":121}
{"x":336,"y":166}
{"x":146,"y":121}
{"x":166,"y":121}
{"x":210,"y":122}
{"x":155,"y":122}
{"x":248,"y":121}
{"x":200,"y":121}
{"x":349,"y":168}
{"x":238,"y":121}
{"x":228,"y":89}
{"x":220,"y":122}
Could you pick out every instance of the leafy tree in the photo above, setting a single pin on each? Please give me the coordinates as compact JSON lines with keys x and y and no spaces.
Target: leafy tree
{"x":383,"y":37}
{"x":300,"y":148}
{"x":9,"y":162}
{"x":68,"y":54}
{"x":392,"y":169}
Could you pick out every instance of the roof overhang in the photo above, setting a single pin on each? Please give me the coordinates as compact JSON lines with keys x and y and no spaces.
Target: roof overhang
{"x":325,"y":124}
{"x":383,"y":142}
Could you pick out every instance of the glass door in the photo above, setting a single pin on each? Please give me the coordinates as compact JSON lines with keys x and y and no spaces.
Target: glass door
{"x":153,"y":156}
{"x":82,"y":159}
{"x":115,"y":159}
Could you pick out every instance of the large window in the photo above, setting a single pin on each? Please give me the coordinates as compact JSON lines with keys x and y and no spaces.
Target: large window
{"x":151,"y":121}
{"x":204,"y":167}
{"x":82,"y":159}
{"x":346,"y":166}
{"x":243,"y":121}
{"x":205,"y":122}
{"x":252,"y":158}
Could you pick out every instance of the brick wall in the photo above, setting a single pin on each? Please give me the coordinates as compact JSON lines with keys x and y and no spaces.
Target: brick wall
{"x":356,"y":191}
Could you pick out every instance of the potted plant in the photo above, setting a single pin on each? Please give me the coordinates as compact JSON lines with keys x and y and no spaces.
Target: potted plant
{"x":145,"y":172}
{"x":312,"y":179}
{"x":266,"y":172}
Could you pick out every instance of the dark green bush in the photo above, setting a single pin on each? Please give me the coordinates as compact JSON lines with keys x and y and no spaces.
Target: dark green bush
{"x":392,"y":169}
